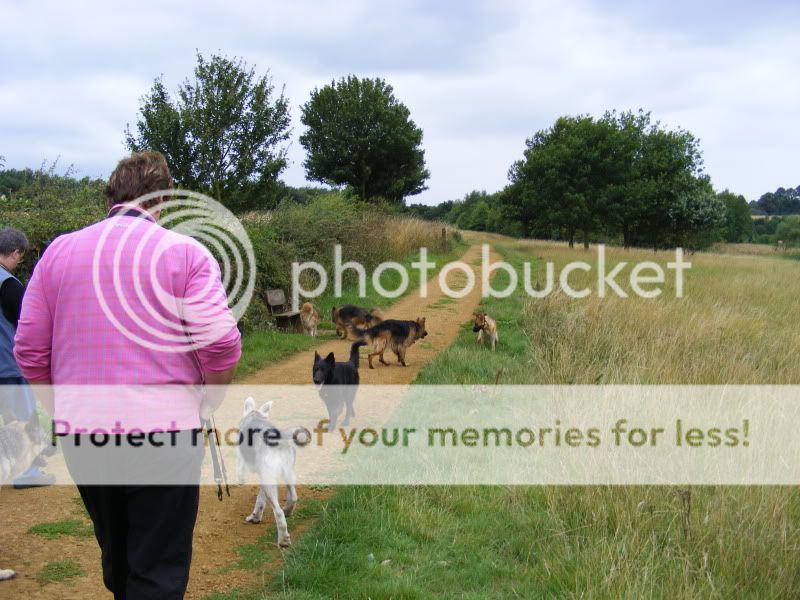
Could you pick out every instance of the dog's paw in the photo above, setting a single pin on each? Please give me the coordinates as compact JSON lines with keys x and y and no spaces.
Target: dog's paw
{"x":7,"y":574}
{"x":285,"y":542}
{"x":254,"y":519}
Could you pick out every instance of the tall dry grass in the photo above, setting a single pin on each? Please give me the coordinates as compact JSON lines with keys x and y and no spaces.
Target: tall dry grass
{"x":406,"y":235}
{"x":736,"y":324}
{"x":756,"y":250}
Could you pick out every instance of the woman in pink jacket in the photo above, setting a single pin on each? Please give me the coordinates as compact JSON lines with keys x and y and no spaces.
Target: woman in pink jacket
{"x":129,"y":304}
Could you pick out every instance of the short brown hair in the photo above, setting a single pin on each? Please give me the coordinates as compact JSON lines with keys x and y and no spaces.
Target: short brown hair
{"x":139,"y":174}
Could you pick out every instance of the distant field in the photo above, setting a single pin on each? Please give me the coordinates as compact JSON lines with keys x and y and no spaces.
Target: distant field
{"x":755,"y":249}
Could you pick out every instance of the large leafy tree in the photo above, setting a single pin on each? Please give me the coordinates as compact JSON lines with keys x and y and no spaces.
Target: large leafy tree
{"x":564,"y":179}
{"x":358,"y":134}
{"x":617,"y":175}
{"x":224,"y":134}
{"x":738,"y":221}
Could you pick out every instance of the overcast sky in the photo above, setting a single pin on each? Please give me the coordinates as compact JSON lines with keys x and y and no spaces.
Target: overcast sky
{"x":479,"y":77}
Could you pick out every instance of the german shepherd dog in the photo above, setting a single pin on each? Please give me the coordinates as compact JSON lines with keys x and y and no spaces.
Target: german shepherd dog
{"x":269,"y":451}
{"x":22,"y":444}
{"x":337,"y":383}
{"x":309,"y":317}
{"x":393,"y":334}
{"x":350,"y":315}
{"x":484,"y":324}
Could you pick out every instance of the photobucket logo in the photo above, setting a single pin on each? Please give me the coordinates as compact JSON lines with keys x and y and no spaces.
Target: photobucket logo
{"x":646,"y":279}
{"x":159,"y":286}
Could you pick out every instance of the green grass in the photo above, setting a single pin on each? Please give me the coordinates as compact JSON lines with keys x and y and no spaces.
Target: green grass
{"x":265,"y":347}
{"x":541,"y":542}
{"x":261,"y":348}
{"x":62,"y":570}
{"x":737,"y":324}
{"x":464,"y":361}
{"x":57,"y":529}
{"x":255,"y":555}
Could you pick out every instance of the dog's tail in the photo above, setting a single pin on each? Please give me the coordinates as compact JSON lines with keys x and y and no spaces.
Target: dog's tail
{"x":354,"y":352}
{"x":358,"y":333}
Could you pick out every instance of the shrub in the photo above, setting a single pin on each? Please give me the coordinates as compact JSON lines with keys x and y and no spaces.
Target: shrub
{"x":48,"y":206}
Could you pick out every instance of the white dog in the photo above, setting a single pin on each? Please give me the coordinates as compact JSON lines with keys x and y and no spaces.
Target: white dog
{"x":270,"y":452}
{"x":21,"y":445}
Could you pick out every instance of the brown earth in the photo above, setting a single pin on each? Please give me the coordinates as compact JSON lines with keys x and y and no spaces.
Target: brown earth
{"x":220,"y":527}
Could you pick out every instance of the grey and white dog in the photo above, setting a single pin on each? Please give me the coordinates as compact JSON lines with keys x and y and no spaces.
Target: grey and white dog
{"x":21,"y":445}
{"x":270,"y":452}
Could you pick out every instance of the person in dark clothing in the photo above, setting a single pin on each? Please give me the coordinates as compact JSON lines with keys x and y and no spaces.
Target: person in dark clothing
{"x":16,"y":401}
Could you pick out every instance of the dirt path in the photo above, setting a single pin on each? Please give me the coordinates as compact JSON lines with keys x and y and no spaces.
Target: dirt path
{"x":220,"y":526}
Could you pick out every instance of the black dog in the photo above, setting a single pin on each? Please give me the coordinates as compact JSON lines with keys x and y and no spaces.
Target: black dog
{"x":337,"y":383}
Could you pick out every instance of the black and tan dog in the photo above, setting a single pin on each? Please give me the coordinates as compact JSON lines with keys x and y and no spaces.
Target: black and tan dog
{"x":349,"y":316}
{"x":486,"y":325}
{"x":393,"y":334}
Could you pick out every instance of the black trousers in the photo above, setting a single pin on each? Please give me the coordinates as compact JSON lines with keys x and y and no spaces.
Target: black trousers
{"x":144,"y":531}
{"x":145,"y":536}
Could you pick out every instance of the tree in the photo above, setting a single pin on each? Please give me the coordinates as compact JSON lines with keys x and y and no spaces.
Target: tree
{"x":697,"y":217}
{"x":783,"y":201}
{"x":738,"y":221}
{"x":788,"y":230}
{"x":617,"y":175}
{"x":360,"y":135}
{"x":223,"y":135}
{"x":564,"y":178}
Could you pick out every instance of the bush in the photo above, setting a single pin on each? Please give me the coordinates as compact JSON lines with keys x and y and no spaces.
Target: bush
{"x":788,"y":230}
{"x":50,"y":205}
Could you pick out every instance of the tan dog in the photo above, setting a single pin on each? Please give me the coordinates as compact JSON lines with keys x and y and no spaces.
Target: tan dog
{"x":484,"y":324}
{"x":309,"y":317}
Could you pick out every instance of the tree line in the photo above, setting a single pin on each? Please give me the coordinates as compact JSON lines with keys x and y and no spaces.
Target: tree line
{"x":783,"y":201}
{"x":226,"y":132}
{"x":621,"y":177}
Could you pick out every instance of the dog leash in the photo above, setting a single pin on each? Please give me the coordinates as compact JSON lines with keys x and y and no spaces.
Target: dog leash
{"x":217,"y":462}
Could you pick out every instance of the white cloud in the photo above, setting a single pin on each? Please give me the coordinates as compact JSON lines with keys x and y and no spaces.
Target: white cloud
{"x":478,"y":79}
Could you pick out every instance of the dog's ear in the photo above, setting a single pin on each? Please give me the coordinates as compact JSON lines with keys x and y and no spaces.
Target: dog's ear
{"x":316,"y":356}
{"x":330,"y":358}
{"x":249,"y":405}
{"x":421,"y":321}
{"x":265,"y":408}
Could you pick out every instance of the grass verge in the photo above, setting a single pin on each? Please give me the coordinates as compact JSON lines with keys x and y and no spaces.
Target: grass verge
{"x":57,"y":529}
{"x":734,"y":325}
{"x":265,"y":347}
{"x":62,"y":570}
